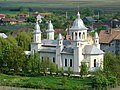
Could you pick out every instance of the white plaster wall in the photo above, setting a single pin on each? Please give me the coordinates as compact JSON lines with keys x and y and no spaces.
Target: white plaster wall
{"x":48,"y":54}
{"x":50,"y":35}
{"x":35,"y":46}
{"x":68,"y":57}
{"x":99,"y":59}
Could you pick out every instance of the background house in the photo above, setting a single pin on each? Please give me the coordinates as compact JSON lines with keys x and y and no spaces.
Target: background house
{"x":110,"y":40}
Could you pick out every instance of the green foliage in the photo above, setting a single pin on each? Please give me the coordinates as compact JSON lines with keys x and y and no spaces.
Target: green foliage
{"x":24,"y":40}
{"x":64,"y":81}
{"x":61,"y":71}
{"x":31,"y":19}
{"x":69,"y":72}
{"x":112,"y":80}
{"x":99,"y":81}
{"x":11,"y":55}
{"x":112,"y":64}
{"x":46,"y":82}
{"x":34,"y":63}
{"x":83,"y":69}
{"x":52,"y":68}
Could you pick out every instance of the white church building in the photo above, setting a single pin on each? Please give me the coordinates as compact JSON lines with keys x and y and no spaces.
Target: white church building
{"x":69,"y":53}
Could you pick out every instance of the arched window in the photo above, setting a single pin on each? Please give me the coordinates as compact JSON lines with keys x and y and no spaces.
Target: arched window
{"x":42,"y":59}
{"x":96,"y":41}
{"x":72,"y":35}
{"x":54,"y":59}
{"x":94,"y":62}
{"x":65,"y":62}
{"x":70,"y":62}
{"x":76,"y":35}
{"x":80,"y":35}
{"x":83,"y":36}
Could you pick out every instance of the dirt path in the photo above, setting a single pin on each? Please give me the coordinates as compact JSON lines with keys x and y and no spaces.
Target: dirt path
{"x":117,"y":88}
{"x":16,"y":88}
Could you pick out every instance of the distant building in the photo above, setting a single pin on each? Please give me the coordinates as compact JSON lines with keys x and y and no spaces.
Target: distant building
{"x":2,"y":16}
{"x":9,"y":21}
{"x":110,"y":40}
{"x":3,"y":35}
{"x":69,"y":53}
{"x":115,"y":23}
{"x":90,"y":23}
{"x":22,"y":15}
{"x":35,"y":14}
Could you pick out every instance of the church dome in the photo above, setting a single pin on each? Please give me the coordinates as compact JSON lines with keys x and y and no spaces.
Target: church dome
{"x":59,"y":36}
{"x":37,"y":27}
{"x":50,"y":26}
{"x":78,"y":23}
{"x":96,"y":35}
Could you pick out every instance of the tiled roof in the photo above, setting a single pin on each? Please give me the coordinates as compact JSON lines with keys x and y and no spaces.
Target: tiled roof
{"x":106,"y":37}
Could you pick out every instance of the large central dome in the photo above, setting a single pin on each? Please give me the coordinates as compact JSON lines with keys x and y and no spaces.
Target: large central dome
{"x":78,"y":24}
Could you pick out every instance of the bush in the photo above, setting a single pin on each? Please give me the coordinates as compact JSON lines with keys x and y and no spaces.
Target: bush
{"x":64,"y":80}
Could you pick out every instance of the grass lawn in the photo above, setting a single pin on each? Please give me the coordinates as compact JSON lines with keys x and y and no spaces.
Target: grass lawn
{"x":48,"y":82}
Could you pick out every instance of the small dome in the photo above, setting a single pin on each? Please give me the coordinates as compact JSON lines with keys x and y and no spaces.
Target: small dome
{"x":60,"y":37}
{"x":78,"y":23}
{"x":50,"y":26}
{"x":37,"y":27}
{"x":96,"y":35}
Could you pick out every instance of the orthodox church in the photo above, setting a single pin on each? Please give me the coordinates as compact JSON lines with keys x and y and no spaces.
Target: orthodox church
{"x":69,"y":53}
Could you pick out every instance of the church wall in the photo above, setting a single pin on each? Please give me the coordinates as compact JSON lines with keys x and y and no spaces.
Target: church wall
{"x":96,"y":61}
{"x":47,"y":54}
{"x":68,"y":57}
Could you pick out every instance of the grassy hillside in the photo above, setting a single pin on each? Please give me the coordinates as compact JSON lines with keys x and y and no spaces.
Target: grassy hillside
{"x":38,"y":5}
{"x":60,"y":3}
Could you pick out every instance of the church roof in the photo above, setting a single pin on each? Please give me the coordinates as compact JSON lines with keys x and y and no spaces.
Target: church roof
{"x":50,"y":26}
{"x":49,"y":42}
{"x":69,"y":50}
{"x":3,"y":35}
{"x":96,"y":35}
{"x":37,"y":28}
{"x":92,"y":50}
{"x":54,"y":42}
{"x":78,"y":24}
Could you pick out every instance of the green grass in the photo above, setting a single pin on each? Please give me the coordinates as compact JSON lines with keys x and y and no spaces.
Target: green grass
{"x":42,"y":81}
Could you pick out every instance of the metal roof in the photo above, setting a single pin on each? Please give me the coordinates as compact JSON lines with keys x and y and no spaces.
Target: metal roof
{"x":92,"y":49}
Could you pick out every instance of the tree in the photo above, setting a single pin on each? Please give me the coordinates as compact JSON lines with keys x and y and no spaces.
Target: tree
{"x":64,"y":81}
{"x":99,"y":81}
{"x":31,"y":19}
{"x":61,"y":71}
{"x":83,"y":69}
{"x":11,"y":55}
{"x":24,"y":40}
{"x":69,"y":71}
{"x":45,"y":65}
{"x":52,"y":68}
{"x":34,"y":63}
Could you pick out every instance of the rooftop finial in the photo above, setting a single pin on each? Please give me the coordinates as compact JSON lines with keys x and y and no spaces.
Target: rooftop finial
{"x":50,"y":25}
{"x":78,"y":14}
{"x":37,"y":27}
{"x":39,"y":18}
{"x":96,"y":35}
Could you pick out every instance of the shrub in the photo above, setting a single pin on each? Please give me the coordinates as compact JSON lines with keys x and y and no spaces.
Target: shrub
{"x":64,"y":80}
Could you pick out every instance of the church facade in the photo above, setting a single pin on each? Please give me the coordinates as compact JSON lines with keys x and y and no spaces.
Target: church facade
{"x":69,"y":53}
